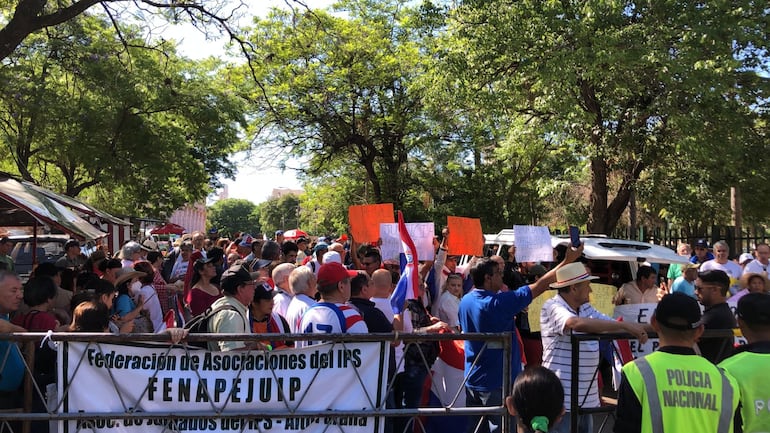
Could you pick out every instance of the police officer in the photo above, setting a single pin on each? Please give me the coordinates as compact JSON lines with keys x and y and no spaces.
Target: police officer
{"x":674,"y":389}
{"x":749,"y":363}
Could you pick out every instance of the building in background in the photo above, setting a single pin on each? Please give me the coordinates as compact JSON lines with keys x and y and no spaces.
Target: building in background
{"x":280,"y":192}
{"x":191,"y":217}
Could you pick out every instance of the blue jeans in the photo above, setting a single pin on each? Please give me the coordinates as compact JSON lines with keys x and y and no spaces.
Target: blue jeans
{"x":585,"y":424}
{"x":489,"y":423}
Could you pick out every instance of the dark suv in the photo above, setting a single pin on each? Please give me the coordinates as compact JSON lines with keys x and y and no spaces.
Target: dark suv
{"x":49,"y":249}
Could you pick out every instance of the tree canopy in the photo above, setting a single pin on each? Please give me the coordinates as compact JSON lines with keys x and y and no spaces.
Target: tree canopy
{"x":334,"y":88}
{"x":233,"y":215}
{"x":136,"y":131}
{"x":645,"y":89}
{"x":514,"y":112}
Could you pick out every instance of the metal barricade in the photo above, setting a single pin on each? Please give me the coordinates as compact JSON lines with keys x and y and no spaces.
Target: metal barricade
{"x":241,"y":420}
{"x":608,"y":408}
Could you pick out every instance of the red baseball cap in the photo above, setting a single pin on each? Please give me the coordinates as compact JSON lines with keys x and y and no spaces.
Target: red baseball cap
{"x":332,"y":273}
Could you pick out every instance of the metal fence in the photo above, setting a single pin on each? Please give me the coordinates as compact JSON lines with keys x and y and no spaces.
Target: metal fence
{"x":418,"y":420}
{"x":607,"y":409}
{"x":739,"y":241}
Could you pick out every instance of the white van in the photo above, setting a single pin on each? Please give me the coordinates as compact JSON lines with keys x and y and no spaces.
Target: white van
{"x":614,"y":261}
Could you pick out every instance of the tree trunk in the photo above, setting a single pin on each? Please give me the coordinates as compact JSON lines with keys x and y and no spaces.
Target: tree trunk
{"x":598,"y":204}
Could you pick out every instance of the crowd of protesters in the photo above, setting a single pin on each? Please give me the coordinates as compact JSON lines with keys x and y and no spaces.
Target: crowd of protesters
{"x":334,"y":285}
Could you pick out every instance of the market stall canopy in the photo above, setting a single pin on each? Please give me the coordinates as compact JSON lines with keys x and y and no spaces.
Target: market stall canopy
{"x":78,"y":205}
{"x":21,"y":206}
{"x":168,"y":229}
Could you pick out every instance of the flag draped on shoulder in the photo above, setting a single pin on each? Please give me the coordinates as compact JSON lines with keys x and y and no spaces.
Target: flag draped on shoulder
{"x":407,"y":287}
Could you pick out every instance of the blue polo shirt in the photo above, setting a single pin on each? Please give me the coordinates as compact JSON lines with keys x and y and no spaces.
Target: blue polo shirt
{"x":11,"y":364}
{"x":482,"y":311}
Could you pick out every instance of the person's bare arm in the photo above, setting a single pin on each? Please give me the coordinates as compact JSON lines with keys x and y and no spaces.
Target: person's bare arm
{"x":433,"y":328}
{"x":398,"y":323}
{"x":542,"y":284}
{"x":354,"y":245}
{"x":441,"y":253}
{"x":7,"y":327}
{"x":598,"y":326}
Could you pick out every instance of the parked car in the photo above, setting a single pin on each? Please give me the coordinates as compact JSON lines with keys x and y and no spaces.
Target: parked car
{"x":49,"y":249}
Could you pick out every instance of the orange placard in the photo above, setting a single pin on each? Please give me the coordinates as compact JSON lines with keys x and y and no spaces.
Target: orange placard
{"x":465,"y":236}
{"x":365,"y":220}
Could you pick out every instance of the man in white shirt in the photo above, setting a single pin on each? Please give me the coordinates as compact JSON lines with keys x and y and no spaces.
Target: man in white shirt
{"x":318,"y":253}
{"x":567,"y":312}
{"x":302,"y":282}
{"x":721,"y":262}
{"x":282,"y":294}
{"x":332,"y":314}
{"x":761,"y":263}
{"x":382,"y":286}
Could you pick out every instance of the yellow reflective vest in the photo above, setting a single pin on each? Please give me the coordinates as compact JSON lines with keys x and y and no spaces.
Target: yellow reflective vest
{"x":750,"y":370}
{"x":682,"y":393}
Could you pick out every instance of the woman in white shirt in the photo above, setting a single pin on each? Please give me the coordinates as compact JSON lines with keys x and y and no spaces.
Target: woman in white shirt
{"x":449,"y":301}
{"x":150,"y":296}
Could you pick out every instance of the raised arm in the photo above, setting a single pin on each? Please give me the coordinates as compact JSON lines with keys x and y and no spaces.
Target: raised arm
{"x":542,"y":284}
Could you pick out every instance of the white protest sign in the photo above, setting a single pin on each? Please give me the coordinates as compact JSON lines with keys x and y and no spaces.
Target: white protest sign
{"x":533,"y":244}
{"x":641,"y":313}
{"x":638,"y":313}
{"x":421,"y":234}
{"x":162,"y":380}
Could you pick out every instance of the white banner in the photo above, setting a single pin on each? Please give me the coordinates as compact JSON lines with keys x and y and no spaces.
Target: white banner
{"x":533,"y":244}
{"x":638,"y":313}
{"x":113,"y":378}
{"x":421,"y":234}
{"x":641,"y":313}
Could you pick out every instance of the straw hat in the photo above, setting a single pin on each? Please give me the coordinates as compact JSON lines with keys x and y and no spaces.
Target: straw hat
{"x":570,"y":274}
{"x":126,"y":274}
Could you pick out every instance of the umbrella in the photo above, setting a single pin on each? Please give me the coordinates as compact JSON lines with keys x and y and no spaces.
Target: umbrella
{"x":294,"y":234}
{"x":168,"y":229}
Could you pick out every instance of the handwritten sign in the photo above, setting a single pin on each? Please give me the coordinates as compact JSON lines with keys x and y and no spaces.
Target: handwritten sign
{"x":421,"y":234}
{"x":465,"y":236}
{"x":365,"y":220}
{"x":533,"y":244}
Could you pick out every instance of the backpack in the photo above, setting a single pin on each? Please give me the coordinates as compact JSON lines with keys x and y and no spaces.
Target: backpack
{"x":200,"y":324}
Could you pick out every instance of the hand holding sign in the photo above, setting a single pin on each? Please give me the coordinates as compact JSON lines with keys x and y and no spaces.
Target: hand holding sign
{"x":466,"y":237}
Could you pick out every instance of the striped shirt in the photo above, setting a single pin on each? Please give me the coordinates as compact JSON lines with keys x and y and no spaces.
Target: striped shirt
{"x":557,"y":350}
{"x":320,"y":319}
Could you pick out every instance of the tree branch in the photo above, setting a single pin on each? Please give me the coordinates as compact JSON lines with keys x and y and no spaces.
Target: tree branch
{"x":27,"y":19}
